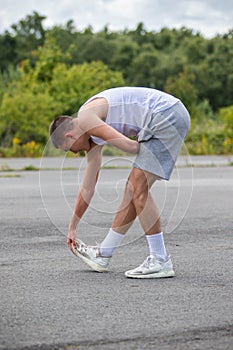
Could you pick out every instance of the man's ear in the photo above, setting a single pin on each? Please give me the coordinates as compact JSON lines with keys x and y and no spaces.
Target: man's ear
{"x":69,"y":135}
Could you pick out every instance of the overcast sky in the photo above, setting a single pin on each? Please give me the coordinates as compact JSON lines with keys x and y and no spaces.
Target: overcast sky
{"x":210,"y":17}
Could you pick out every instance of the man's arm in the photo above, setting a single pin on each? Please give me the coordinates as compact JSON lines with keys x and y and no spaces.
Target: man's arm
{"x":86,"y":191}
{"x":89,"y":120}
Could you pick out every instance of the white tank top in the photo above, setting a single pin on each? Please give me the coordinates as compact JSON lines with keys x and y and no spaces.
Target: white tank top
{"x":130,"y":108}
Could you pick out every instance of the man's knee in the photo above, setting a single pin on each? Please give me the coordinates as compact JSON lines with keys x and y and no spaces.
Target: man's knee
{"x":137,"y":186}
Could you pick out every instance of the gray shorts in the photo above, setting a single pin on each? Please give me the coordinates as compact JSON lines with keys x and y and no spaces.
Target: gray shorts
{"x":161,"y":140}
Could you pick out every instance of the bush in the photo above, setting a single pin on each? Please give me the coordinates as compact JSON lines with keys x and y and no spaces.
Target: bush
{"x":208,"y":138}
{"x":29,"y":105}
{"x":29,"y":149}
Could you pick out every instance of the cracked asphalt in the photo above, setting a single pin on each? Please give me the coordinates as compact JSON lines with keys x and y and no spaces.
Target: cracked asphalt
{"x":51,"y":300}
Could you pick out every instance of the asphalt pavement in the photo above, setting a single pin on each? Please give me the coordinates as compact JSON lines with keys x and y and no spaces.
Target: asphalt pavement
{"x":51,"y":300}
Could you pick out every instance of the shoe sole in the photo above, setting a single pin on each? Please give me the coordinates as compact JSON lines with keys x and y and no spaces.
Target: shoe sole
{"x":96,"y":267}
{"x":162,"y":274}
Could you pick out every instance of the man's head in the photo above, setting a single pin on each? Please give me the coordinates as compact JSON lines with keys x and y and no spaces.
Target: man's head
{"x":66,"y":135}
{"x":58,"y":129}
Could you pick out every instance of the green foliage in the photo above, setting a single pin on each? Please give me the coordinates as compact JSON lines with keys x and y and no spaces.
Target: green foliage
{"x":8,"y":55}
{"x":72,"y":86}
{"x":29,"y":34}
{"x":109,"y":150}
{"x":6,"y":77}
{"x":201,"y":112}
{"x":226,"y":114}
{"x":29,"y":149}
{"x":143,"y":66}
{"x":209,"y":137}
{"x":144,"y":57}
{"x":44,"y":73}
{"x":126,"y":51}
{"x":194,"y":49}
{"x":31,"y":102}
{"x":183,"y":86}
{"x":63,"y":36}
{"x":198,"y":139}
{"x":48,"y":56}
{"x":26,"y":115}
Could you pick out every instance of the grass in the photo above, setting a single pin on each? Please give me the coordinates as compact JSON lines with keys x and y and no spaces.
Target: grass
{"x":6,"y":168}
{"x":30,"y":168}
{"x":9,"y":175}
{"x":109,"y":167}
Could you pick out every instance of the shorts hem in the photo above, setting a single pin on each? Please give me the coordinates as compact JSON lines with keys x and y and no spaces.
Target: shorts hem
{"x":152,"y":171}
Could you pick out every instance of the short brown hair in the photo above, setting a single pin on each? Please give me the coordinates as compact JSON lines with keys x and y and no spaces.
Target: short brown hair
{"x":58,"y":129}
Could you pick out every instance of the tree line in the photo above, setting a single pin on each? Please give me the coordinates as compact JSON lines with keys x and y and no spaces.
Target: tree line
{"x":46,"y":72}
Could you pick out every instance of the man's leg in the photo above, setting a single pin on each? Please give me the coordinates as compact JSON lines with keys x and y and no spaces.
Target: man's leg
{"x":146,"y":209}
{"x":157,"y":264}
{"x":137,"y":201}
{"x":126,"y":213}
{"x":98,"y":257}
{"x":124,"y":218}
{"x":148,"y":212}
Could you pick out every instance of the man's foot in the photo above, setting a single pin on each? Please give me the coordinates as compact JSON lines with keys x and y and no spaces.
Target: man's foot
{"x":91,"y":256}
{"x":152,"y":268}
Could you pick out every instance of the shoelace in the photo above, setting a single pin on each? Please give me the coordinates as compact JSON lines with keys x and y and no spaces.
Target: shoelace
{"x":84,"y":248}
{"x":146,"y":263}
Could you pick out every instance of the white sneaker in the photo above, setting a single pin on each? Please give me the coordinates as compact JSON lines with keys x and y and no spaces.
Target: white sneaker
{"x":152,"y":268}
{"x":91,"y":256}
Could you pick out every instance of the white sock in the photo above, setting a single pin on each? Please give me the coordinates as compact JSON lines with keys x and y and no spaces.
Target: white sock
{"x":157,"y":246}
{"x":110,"y":243}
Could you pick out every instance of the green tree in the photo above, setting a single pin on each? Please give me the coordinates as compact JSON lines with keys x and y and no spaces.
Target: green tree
{"x":183,"y":87}
{"x":26,"y":115}
{"x":214,"y":75}
{"x":47,"y":57}
{"x":97,"y":48}
{"x":126,"y":52}
{"x":29,"y":34}
{"x":62,"y":66}
{"x":72,"y":86}
{"x":194,"y":49}
{"x":138,"y":35}
{"x":6,"y":77}
{"x":64,"y":36}
{"x":226,"y":114}
{"x":165,"y":40}
{"x":51,"y":88}
{"x":141,"y":71}
{"x":8,"y":54}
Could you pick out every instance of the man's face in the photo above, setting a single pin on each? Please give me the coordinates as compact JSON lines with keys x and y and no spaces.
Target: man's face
{"x":76,"y":144}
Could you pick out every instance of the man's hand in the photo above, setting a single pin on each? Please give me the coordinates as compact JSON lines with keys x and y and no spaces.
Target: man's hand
{"x":71,"y":239}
